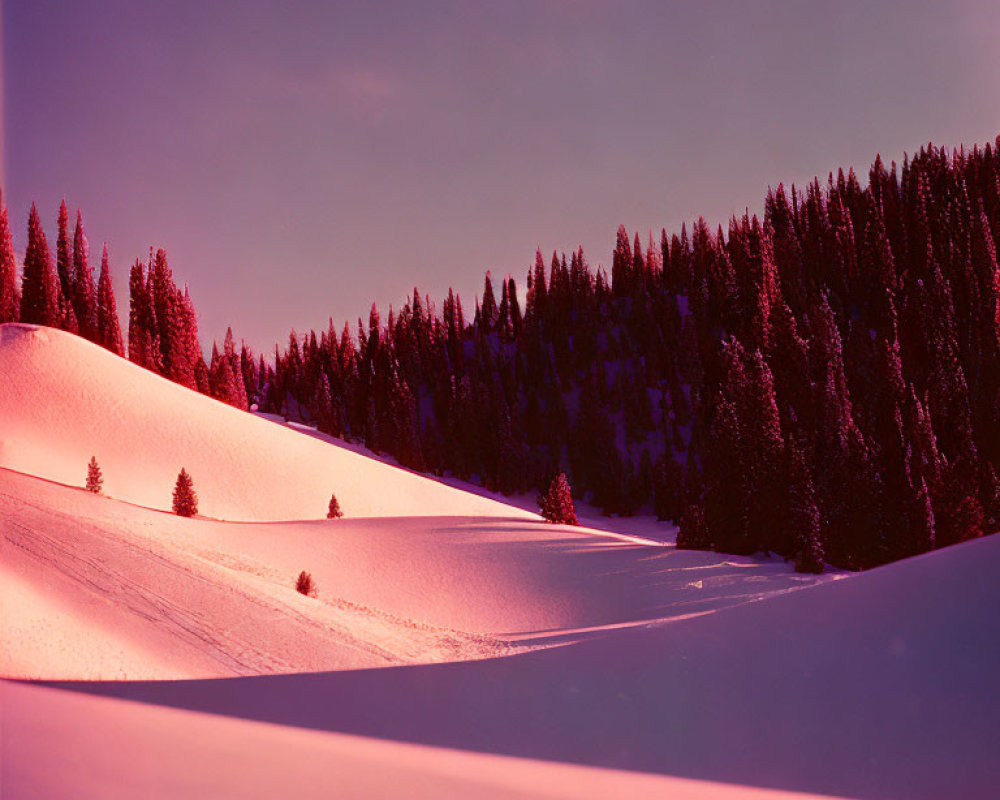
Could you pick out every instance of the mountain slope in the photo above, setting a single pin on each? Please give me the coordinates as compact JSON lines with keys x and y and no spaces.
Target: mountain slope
{"x":881,"y":686}
{"x":96,"y":588}
{"x":61,"y":750}
{"x":63,"y":400}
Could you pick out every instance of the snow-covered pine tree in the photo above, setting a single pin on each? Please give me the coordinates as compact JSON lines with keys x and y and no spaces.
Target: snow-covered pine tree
{"x":95,"y":481}
{"x":557,"y":504}
{"x":185,"y":499}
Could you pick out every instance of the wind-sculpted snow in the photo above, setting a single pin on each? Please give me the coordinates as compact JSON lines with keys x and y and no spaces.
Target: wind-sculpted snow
{"x":63,"y":400}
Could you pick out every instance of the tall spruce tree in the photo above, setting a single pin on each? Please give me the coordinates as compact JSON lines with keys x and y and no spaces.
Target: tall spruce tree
{"x":143,"y":330}
{"x":64,"y":260}
{"x":10,"y":281}
{"x":40,"y":288}
{"x":84,"y":297}
{"x":109,"y":334}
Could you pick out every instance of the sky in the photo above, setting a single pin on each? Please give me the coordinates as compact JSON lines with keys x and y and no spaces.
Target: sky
{"x":300,"y":160}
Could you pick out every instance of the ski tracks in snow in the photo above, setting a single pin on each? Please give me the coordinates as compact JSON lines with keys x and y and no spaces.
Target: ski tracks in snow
{"x":235,"y":618}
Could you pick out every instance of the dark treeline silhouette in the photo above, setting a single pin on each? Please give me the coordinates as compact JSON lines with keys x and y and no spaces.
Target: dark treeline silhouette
{"x":822,"y":383}
{"x":162,"y":323}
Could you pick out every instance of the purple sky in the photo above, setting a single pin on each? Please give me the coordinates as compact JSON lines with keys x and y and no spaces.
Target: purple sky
{"x":300,"y":159}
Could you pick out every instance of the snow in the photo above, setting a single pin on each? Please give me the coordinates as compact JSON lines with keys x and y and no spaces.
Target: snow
{"x":879,"y":686}
{"x":527,"y":659}
{"x":63,"y":400}
{"x":95,"y":588}
{"x":62,"y":750}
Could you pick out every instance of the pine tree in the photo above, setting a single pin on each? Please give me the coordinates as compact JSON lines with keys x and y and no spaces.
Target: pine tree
{"x":958,"y":515}
{"x":143,"y":331}
{"x":10,"y":284}
{"x":489,"y":315}
{"x":67,"y":317}
{"x":803,"y":520}
{"x":322,"y":406}
{"x":191,"y":347}
{"x":557,"y":504}
{"x":238,"y":390}
{"x":305,"y":584}
{"x":726,"y":495}
{"x":109,"y":333}
{"x":40,"y":288}
{"x":185,"y":499}
{"x":84,"y":299}
{"x":334,"y":512}
{"x":692,"y":533}
{"x":64,"y":262}
{"x":668,"y":489}
{"x":95,"y":481}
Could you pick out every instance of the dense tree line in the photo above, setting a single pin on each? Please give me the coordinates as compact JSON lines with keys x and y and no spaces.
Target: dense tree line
{"x":162,"y":322}
{"x":822,"y":382}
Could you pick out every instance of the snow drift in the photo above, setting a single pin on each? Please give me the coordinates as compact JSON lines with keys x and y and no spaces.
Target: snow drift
{"x":880,"y":686}
{"x":96,"y":588}
{"x":61,"y":749}
{"x":64,"y":399}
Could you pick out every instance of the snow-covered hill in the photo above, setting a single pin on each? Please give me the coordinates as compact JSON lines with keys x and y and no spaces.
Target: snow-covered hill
{"x":64,"y":399}
{"x":92,"y":587}
{"x":67,"y":745}
{"x":880,"y":686}
{"x":525,"y":643}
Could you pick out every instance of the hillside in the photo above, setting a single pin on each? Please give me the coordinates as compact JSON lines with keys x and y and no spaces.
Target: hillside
{"x":61,"y":751}
{"x":529,"y":647}
{"x":63,"y":400}
{"x":94,"y":588}
{"x":881,"y":686}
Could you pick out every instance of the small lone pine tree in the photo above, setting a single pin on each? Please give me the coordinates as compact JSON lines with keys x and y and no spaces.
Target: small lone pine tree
{"x":557,"y":503}
{"x":334,"y":511}
{"x":95,"y":481}
{"x":304,"y":584}
{"x":185,"y":499}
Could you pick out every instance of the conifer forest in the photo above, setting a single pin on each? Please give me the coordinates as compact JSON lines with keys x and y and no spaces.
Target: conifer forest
{"x":821,"y":381}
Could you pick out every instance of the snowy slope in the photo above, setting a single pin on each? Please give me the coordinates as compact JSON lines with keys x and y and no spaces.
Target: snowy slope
{"x":669,"y":662}
{"x":64,"y":399}
{"x":880,"y":686}
{"x":95,"y":588}
{"x":60,"y":750}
